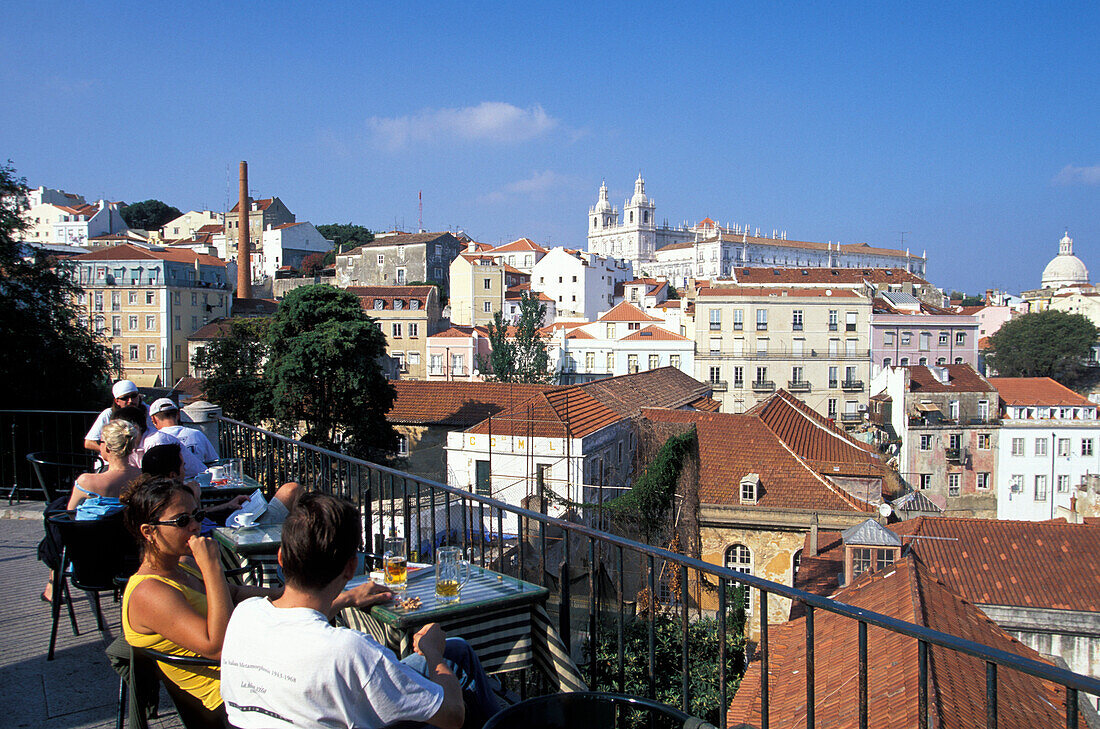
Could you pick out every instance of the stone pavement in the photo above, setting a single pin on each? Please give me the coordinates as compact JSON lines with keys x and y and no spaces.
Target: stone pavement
{"x":77,"y":689}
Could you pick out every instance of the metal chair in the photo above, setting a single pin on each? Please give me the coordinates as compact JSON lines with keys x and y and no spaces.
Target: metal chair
{"x":56,"y":472}
{"x":594,"y":710}
{"x":93,"y":554}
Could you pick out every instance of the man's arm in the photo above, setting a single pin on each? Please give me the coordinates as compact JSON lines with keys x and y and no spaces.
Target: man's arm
{"x":429,"y":642}
{"x":92,"y":445}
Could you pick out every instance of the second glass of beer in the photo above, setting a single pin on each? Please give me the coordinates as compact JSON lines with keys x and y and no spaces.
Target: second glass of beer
{"x":396,"y":569}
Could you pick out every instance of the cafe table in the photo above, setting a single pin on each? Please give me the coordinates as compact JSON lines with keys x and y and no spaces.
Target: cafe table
{"x":211,"y":494}
{"x":503,"y":619}
{"x":255,"y":546}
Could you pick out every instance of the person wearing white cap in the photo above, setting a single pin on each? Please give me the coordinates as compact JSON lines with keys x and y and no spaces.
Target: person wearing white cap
{"x":124,"y":393}
{"x":197,"y":448}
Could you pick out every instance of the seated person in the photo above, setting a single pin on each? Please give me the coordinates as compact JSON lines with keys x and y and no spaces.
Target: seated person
{"x":168,"y":460}
{"x":118,"y":440}
{"x":123,"y":393}
{"x":284,"y":665}
{"x":179,"y":600}
{"x":197,"y":448}
{"x":149,"y":437}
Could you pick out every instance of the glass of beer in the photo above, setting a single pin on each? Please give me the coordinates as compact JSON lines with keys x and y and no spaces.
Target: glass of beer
{"x":396,"y":563}
{"x":451,"y":573}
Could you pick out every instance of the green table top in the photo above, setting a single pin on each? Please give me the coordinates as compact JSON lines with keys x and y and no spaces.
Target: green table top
{"x":258,"y":539}
{"x":248,"y":485}
{"x":485,"y":590}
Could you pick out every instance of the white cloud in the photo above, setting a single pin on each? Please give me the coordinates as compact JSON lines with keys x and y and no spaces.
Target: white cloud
{"x":490,"y":121}
{"x":1074,"y":175}
{"x":535,"y":186}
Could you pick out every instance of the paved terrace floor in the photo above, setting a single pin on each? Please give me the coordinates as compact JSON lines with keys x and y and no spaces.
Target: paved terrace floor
{"x":77,"y":689}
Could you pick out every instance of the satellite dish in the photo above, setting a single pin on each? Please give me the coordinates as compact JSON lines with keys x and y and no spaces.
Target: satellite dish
{"x":885,"y":510}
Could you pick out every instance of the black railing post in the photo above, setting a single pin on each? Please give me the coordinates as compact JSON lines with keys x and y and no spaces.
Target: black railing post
{"x":722,"y":658}
{"x":990,"y":695}
{"x":862,"y":675}
{"x":684,"y":638}
{"x":621,"y":647}
{"x":810,"y":667}
{"x":765,"y":706}
{"x":922,"y":683}
{"x":593,"y":638}
{"x":1071,"y":708}
{"x":652,"y":630}
{"x":564,"y":624}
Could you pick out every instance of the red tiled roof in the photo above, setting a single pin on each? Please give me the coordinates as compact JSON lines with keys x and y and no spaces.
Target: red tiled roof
{"x":458,"y":330}
{"x":1037,"y":391}
{"x":284,"y":226}
{"x":960,"y":378}
{"x":706,"y":404}
{"x":734,"y":290}
{"x":254,"y":307}
{"x":579,"y":334}
{"x":217,"y":329}
{"x":584,"y":409}
{"x":706,"y":223}
{"x":732,"y":446}
{"x":853,"y":276}
{"x":654,"y":333}
{"x":827,"y":448}
{"x":990,"y":561}
{"x":627,"y":312}
{"x":403,"y":239}
{"x":456,"y":403}
{"x":908,"y":591}
{"x":130,"y":252}
{"x":368,"y":294}
{"x":263,"y":204}
{"x":520,"y":245}
{"x":210,"y":228}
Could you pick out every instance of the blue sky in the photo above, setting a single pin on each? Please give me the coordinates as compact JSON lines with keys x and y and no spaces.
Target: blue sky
{"x":972,"y":127}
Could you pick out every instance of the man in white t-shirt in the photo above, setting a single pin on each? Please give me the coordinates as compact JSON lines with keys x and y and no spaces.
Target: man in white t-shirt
{"x":283,"y":665}
{"x":125,"y":393}
{"x":197,"y":448}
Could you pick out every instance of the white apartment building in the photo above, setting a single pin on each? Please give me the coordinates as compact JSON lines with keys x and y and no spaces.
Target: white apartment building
{"x":523,"y":254}
{"x":709,"y":250}
{"x":193,"y":221}
{"x":1048,"y":443}
{"x":625,"y":340}
{"x":287,"y":245}
{"x":73,"y":224}
{"x":813,"y":342}
{"x":582,"y":284}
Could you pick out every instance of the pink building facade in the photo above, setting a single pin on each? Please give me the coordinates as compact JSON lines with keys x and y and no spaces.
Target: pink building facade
{"x":454,"y":353}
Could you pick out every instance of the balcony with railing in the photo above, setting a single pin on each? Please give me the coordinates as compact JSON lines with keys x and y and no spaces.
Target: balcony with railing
{"x":593,"y":577}
{"x":852,"y":385}
{"x":799,"y":386}
{"x":850,"y":418}
{"x":719,"y":385}
{"x":763,"y":386}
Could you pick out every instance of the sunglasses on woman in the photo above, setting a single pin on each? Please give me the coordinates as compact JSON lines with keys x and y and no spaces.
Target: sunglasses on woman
{"x":183,"y":520}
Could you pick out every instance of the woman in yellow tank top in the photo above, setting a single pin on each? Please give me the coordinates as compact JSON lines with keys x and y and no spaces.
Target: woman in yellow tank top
{"x":179,"y":600}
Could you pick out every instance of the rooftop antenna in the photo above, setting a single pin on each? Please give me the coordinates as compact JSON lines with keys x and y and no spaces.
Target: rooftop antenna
{"x":419,"y":211}
{"x":903,"y":233}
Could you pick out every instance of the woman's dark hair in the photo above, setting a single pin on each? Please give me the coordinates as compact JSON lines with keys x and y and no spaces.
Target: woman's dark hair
{"x":320,"y":535}
{"x":134,"y":414}
{"x":162,"y":460}
{"x":145,"y":498}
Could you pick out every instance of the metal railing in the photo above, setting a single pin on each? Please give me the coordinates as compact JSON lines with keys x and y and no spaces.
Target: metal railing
{"x":390,"y":498}
{"x":32,"y":431}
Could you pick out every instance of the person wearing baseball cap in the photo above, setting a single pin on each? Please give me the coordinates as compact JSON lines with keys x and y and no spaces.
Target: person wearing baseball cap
{"x":197,"y":448}
{"x":124,"y":393}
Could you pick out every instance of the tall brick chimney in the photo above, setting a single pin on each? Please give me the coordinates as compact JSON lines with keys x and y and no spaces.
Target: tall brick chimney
{"x":244,"y":244}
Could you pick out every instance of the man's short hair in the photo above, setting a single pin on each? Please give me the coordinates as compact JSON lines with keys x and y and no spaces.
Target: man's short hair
{"x":165,"y":459}
{"x":320,"y":535}
{"x":136,"y":415}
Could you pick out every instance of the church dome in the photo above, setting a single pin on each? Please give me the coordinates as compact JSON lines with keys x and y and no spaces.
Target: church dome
{"x":1065,"y":269}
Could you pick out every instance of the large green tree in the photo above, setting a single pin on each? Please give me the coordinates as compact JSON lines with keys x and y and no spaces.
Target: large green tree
{"x":50,"y":361}
{"x":518,"y":355}
{"x":232,"y":368}
{"x":346,"y":235}
{"x":325,"y":373}
{"x":149,"y":214}
{"x":1043,"y":344}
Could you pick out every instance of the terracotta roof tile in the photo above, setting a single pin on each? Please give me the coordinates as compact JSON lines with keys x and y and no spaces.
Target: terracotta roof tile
{"x":217,"y":329}
{"x":458,"y":330}
{"x":263,"y":204}
{"x":853,"y":276}
{"x":456,"y":403}
{"x":732,"y":446}
{"x":402,"y":239}
{"x":810,"y":292}
{"x":579,"y":334}
{"x":368,"y":294}
{"x":1037,"y":391}
{"x":130,"y":252}
{"x":654,"y":333}
{"x":960,"y":378}
{"x":627,"y":312}
{"x":907,"y":591}
{"x":520,"y":245}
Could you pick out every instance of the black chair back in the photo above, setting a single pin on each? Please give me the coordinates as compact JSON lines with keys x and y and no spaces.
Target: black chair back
{"x":193,"y":714}
{"x":98,"y":550}
{"x":56,"y":472}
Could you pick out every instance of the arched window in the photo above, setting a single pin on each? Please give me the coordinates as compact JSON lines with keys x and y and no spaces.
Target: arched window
{"x":631,"y":216}
{"x":739,"y":559}
{"x":645,"y":216}
{"x":796,"y":562}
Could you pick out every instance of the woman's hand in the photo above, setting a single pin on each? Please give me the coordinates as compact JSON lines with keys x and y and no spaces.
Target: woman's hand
{"x":206,"y":553}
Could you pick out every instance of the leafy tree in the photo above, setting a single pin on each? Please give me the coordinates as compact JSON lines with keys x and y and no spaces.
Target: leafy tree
{"x":346,"y":236}
{"x":51,"y":361}
{"x":650,"y":497}
{"x":1043,"y":344}
{"x":523,"y":356}
{"x":312,"y":264}
{"x":702,"y":652}
{"x":672,"y":292}
{"x":324,"y":371}
{"x":233,"y":369}
{"x":148,"y":214}
{"x":965,"y":299}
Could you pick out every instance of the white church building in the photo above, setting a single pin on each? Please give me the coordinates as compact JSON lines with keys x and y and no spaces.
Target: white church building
{"x":710,"y":250}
